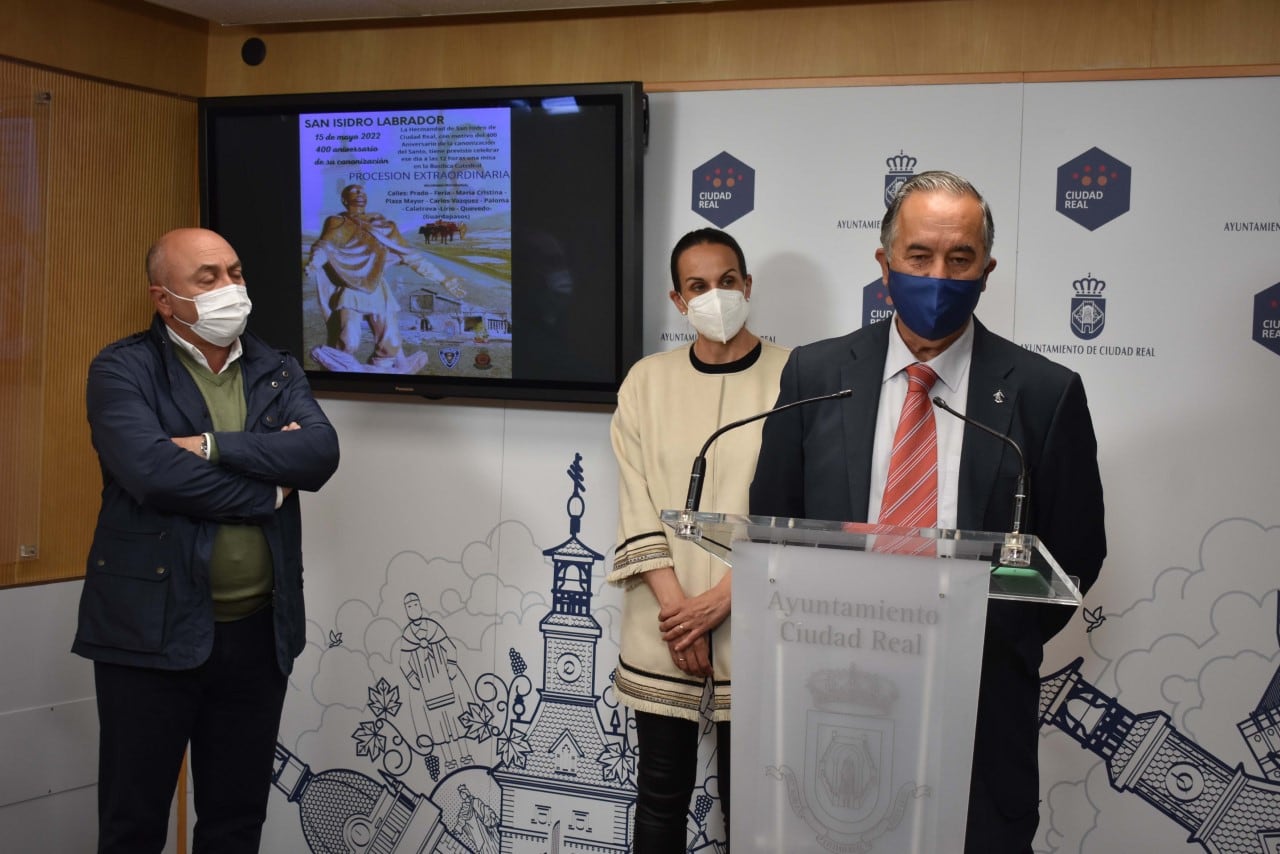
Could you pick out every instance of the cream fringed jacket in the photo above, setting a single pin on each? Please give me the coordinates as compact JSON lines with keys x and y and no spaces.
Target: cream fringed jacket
{"x":667,"y":407}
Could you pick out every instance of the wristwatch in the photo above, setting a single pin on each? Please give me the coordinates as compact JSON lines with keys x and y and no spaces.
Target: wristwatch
{"x":204,"y":445}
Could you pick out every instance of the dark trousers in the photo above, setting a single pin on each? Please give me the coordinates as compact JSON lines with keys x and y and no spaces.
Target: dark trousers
{"x":666,"y":771}
{"x":227,"y":708}
{"x":990,"y":831}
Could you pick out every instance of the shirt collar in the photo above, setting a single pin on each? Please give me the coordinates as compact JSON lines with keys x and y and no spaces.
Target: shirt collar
{"x":951,"y":365}
{"x":194,"y":352}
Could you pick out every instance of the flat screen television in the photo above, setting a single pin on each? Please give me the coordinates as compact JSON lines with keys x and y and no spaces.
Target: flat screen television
{"x":480,"y":242}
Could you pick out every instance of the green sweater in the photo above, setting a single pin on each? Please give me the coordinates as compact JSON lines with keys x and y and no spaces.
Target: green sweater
{"x":240,"y":571}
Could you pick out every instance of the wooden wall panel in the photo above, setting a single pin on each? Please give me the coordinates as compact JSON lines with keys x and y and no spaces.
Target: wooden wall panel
{"x":122,"y":40}
{"x":122,"y":171}
{"x":1193,"y":32}
{"x":752,"y":41}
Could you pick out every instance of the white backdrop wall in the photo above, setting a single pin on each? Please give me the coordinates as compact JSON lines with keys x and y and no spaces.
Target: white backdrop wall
{"x":1184,"y":619}
{"x":456,"y":503}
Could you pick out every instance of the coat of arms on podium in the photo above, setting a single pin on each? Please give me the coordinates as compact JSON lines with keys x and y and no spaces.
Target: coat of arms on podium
{"x":845,"y":791}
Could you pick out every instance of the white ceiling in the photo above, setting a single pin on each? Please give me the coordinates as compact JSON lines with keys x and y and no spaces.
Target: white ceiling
{"x":233,"y":12}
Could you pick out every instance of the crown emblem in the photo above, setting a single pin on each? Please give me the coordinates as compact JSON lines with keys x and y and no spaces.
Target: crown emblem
{"x":901,"y":164}
{"x":852,"y":687}
{"x":1089,"y":286}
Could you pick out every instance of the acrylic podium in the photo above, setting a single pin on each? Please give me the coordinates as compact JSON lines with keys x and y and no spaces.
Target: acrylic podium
{"x":855,"y":675}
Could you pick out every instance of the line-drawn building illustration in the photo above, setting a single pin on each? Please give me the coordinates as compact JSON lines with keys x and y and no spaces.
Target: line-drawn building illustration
{"x":566,"y":777}
{"x":1261,"y":729}
{"x":1225,"y":809}
{"x":574,"y":791}
{"x":346,"y":812}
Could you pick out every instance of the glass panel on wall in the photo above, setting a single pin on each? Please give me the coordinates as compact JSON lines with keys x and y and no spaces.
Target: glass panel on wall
{"x":24,"y":120}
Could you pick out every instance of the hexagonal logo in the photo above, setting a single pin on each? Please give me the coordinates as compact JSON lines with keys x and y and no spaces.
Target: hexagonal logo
{"x":724,"y":189}
{"x":1266,"y":318}
{"x":876,"y":304}
{"x":1093,"y":189}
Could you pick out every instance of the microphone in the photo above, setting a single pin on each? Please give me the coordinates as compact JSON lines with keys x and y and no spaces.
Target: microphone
{"x":1015,"y":551}
{"x":690,"y":530}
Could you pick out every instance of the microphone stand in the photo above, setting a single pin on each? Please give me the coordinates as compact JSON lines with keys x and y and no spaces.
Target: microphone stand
{"x":1015,"y":551}
{"x":691,"y":530}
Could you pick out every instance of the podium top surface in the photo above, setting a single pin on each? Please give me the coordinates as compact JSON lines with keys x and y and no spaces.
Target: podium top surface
{"x":1021,"y":567}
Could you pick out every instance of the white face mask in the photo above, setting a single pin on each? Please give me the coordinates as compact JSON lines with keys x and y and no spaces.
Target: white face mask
{"x":221,"y":314}
{"x":719,"y":313}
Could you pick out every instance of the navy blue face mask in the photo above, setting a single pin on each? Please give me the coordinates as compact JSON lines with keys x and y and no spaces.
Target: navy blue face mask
{"x":934,"y":308}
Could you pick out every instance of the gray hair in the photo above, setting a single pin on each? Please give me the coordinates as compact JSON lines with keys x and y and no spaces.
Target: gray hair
{"x":935,"y":181}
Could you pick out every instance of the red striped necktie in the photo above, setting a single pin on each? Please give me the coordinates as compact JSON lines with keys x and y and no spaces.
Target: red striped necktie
{"x":911,"y":490}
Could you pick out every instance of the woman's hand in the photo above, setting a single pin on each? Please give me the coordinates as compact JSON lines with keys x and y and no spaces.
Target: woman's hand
{"x":685,"y":622}
{"x":695,"y":659}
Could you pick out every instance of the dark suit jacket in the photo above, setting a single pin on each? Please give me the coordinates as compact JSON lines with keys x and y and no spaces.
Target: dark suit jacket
{"x":815,"y":463}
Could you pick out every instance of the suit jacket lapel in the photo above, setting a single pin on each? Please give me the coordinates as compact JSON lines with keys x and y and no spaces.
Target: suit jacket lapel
{"x":863,"y":372}
{"x":991,"y":401}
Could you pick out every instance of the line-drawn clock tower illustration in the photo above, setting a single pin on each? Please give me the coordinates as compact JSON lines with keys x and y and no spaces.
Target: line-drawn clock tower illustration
{"x":564,"y":799}
{"x":1225,"y":809}
{"x":566,"y":782}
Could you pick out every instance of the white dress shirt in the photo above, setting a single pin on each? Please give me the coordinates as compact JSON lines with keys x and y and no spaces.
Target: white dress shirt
{"x":194,"y":352}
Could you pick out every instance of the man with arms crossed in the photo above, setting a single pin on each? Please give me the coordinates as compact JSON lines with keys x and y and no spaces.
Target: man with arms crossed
{"x":192,"y":605}
{"x":833,"y":461}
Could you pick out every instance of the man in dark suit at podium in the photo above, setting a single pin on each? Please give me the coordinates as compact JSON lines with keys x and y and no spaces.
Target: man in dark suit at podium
{"x":839,"y":461}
